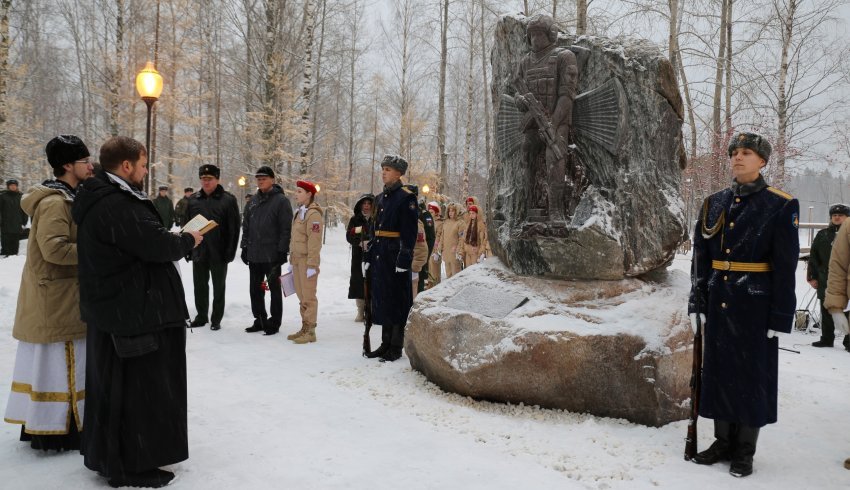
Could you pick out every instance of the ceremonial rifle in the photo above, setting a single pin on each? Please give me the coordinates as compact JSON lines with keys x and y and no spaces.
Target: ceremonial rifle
{"x":696,"y":368}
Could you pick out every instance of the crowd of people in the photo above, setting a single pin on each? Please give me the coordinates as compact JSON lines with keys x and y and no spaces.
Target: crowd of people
{"x":111,"y":347}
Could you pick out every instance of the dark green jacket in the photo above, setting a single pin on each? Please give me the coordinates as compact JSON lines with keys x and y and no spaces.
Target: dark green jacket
{"x":180,"y":211}
{"x":165,"y":209}
{"x":12,"y":217}
{"x":818,"y":266}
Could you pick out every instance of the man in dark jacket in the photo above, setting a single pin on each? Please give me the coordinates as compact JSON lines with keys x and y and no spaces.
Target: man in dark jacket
{"x":131,"y":298}
{"x":180,"y":208}
{"x":219,"y":247}
{"x":818,"y":271}
{"x":164,"y":207}
{"x":390,"y":256}
{"x":12,"y":219}
{"x":266,"y":229}
{"x":430,"y":235}
{"x":357,"y":234}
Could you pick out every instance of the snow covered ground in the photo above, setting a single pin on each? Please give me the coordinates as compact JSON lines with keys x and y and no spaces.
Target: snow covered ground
{"x":266,"y":413}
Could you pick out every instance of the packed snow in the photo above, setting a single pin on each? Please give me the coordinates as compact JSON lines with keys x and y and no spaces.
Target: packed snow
{"x":266,"y":413}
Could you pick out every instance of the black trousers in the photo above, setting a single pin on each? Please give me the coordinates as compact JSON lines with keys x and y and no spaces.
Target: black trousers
{"x":270,"y":273}
{"x":9,"y":243}
{"x":201,"y":272}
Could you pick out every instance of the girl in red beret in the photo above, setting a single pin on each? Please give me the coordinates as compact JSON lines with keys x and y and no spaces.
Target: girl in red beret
{"x":304,"y":248}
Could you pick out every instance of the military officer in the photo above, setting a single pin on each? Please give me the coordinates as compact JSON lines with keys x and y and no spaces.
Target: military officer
{"x":390,"y":256}
{"x":818,"y":271}
{"x":744,"y":259}
{"x":427,"y":220}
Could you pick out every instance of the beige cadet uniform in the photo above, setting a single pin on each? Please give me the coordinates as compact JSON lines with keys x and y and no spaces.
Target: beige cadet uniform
{"x":449,"y":244}
{"x":420,"y":255}
{"x":470,"y":253}
{"x":304,"y":248}
{"x":435,"y":265}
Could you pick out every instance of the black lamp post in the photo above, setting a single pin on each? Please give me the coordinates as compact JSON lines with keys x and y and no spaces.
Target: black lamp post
{"x":149,"y":86}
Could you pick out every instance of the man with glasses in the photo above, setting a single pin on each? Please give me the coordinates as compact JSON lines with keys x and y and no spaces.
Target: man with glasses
{"x":51,"y":354}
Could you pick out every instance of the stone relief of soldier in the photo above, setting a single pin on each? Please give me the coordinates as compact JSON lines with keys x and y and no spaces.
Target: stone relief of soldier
{"x":545,"y":83}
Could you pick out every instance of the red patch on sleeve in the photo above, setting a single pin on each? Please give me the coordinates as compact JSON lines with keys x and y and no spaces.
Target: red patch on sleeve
{"x":420,"y":237}
{"x":317,"y":227}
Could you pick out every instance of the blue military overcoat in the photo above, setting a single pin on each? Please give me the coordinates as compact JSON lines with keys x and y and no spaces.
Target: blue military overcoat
{"x":391,"y":247}
{"x":745,"y":255}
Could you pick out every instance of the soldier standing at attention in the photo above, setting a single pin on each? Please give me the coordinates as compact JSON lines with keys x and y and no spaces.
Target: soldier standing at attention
{"x":818,"y":271}
{"x":390,"y":258}
{"x":745,"y":254}
{"x":450,"y":243}
{"x":180,"y":208}
{"x":164,"y":207}
{"x":12,"y":219}
{"x":434,"y":272}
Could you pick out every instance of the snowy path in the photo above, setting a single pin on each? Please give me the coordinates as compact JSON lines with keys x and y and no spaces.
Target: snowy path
{"x":265,"y":413}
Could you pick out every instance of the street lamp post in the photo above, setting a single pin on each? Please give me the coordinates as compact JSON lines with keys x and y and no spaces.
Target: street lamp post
{"x":242,"y":181}
{"x":149,"y":86}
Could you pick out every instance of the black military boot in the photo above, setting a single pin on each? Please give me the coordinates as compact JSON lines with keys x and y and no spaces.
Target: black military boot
{"x":846,"y":343}
{"x":745,"y":448}
{"x":396,"y":345}
{"x":386,"y":337}
{"x":256,"y":327}
{"x":721,"y":448}
{"x":822,"y":343}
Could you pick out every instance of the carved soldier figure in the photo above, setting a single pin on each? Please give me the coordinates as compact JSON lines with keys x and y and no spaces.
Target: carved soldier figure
{"x":546,"y":86}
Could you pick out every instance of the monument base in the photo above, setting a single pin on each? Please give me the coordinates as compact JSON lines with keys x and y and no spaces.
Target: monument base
{"x":609,"y":348}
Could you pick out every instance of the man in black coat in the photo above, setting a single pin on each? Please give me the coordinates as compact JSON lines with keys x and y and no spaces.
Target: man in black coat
{"x":266,"y":228}
{"x":818,"y":271}
{"x":427,"y":220}
{"x":219,"y":247}
{"x":164,"y":207}
{"x":131,"y":298}
{"x":390,"y":256}
{"x":181,"y":208}
{"x":12,"y":219}
{"x":357,"y":234}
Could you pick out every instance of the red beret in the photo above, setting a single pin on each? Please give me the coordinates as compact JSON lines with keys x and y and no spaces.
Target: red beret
{"x":470,"y":199}
{"x":473,"y":208}
{"x":434,"y":207}
{"x":307,"y":186}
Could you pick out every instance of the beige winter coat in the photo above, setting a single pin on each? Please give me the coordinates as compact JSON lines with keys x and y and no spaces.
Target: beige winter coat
{"x":450,"y":237}
{"x":483,"y":246}
{"x":420,"y":250}
{"x":305,"y":243}
{"x":838,"y":280}
{"x":49,"y":299}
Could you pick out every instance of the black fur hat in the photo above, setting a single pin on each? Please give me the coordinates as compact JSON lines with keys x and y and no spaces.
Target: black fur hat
{"x":209,"y":169}
{"x":65,"y":148}
{"x":396,"y":162}
{"x":753,"y":141}
{"x":839,"y":209}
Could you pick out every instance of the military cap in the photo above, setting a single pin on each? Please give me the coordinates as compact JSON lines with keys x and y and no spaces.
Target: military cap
{"x":396,"y":162}
{"x":163,"y":187}
{"x":839,"y":208}
{"x":12,"y":182}
{"x":65,"y":148}
{"x":307,"y":186}
{"x":264,"y":171}
{"x":543,"y":23}
{"x":753,"y":141}
{"x":188,"y":189}
{"x":209,"y":169}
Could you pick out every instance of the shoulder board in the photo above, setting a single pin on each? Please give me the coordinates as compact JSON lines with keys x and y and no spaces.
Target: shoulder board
{"x":780,"y":193}
{"x":405,"y":189}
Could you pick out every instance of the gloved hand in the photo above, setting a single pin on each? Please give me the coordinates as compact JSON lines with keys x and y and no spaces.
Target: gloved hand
{"x":244,"y":256}
{"x":840,"y":320}
{"x":399,"y":269}
{"x":771,"y":333}
{"x":694,"y":320}
{"x":435,"y":257}
{"x":481,"y":258}
{"x":414,"y":276}
{"x":365,"y":267}
{"x":288,"y":268}
{"x":311,"y":272}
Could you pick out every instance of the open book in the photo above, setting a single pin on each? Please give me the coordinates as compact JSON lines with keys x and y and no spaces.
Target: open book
{"x":199,"y":224}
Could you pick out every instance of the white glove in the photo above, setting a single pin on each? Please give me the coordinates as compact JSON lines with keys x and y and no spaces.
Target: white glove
{"x":288,"y":267}
{"x":414,"y":276}
{"x":481,"y":258}
{"x":435,"y":257}
{"x":771,"y":333}
{"x":311,"y":272}
{"x":841,"y":325}
{"x":694,"y":320}
{"x":399,"y":269}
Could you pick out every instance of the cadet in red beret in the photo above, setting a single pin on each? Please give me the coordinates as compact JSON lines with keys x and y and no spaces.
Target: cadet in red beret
{"x":304,"y":250}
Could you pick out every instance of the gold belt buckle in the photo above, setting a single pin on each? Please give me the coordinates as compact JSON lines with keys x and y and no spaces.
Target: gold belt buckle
{"x":727,"y":265}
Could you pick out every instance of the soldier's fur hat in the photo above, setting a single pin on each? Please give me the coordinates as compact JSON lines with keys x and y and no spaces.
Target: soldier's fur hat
{"x":209,"y":169}
{"x":396,"y":162}
{"x":542,"y":23}
{"x":839,"y":208}
{"x":753,"y":141}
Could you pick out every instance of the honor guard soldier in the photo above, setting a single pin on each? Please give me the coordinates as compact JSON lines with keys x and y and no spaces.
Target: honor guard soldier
{"x":390,"y":256}
{"x":744,"y":260}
